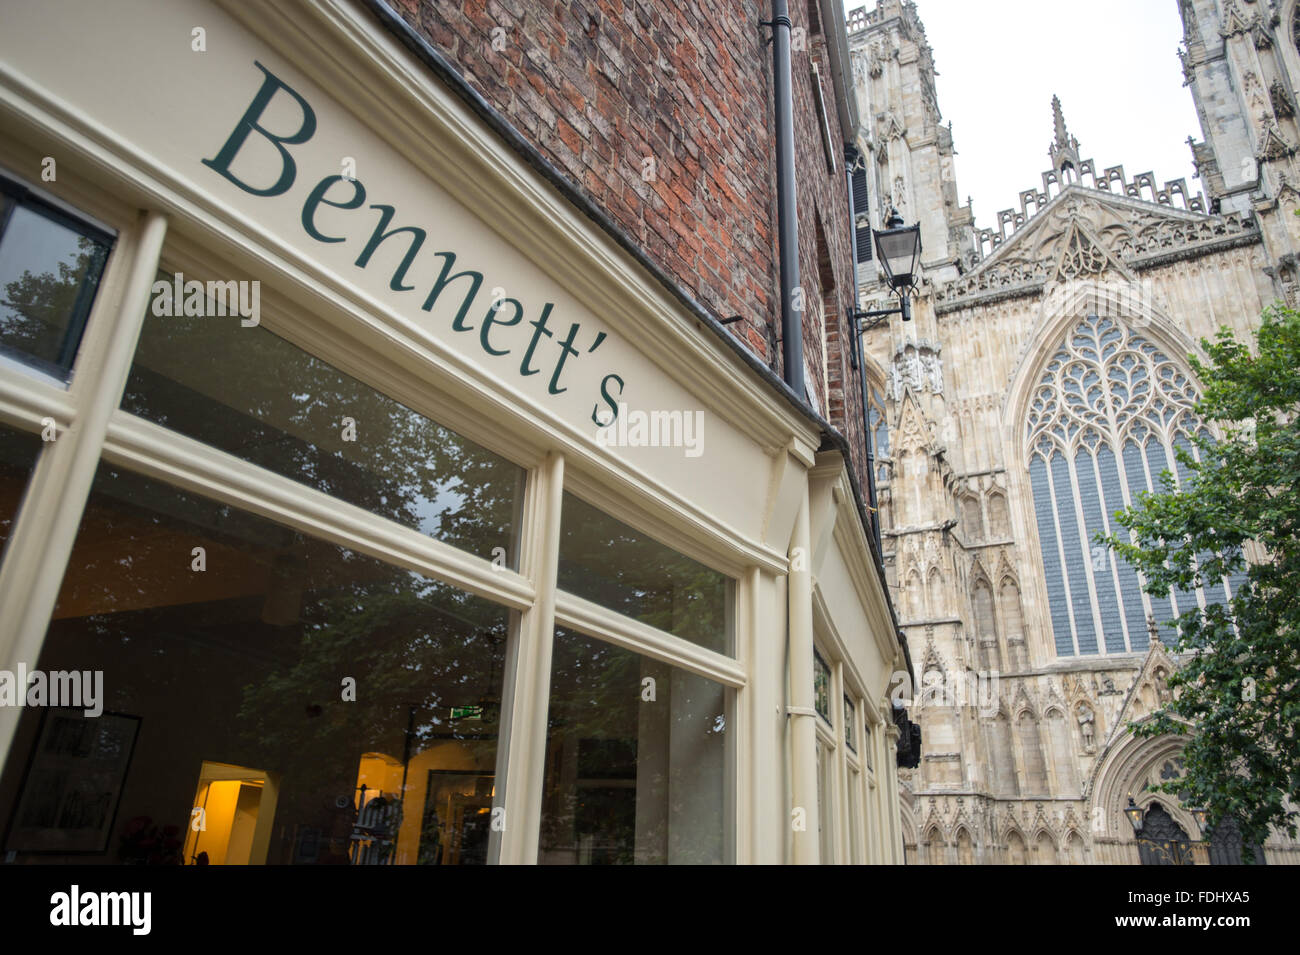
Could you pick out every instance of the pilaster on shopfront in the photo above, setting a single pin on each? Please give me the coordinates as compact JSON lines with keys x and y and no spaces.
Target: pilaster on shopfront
{"x":469,"y":542}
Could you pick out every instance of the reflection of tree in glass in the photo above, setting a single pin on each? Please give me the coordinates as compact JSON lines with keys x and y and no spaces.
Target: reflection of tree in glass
{"x":255,"y":395}
{"x":609,"y":563}
{"x":637,"y":778}
{"x":37,"y":308}
{"x":416,"y":648}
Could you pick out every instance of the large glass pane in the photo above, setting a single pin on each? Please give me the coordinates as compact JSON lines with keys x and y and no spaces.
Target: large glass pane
{"x":635,"y":760}
{"x":609,"y":563}
{"x":855,"y":816}
{"x":233,"y":692}
{"x":18,"y":451}
{"x":826,"y":803}
{"x":1052,"y":568}
{"x":49,"y":270}
{"x":253,"y":394}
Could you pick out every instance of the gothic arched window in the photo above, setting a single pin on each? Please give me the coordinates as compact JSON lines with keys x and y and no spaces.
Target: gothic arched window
{"x":879,"y":426}
{"x":1104,"y":420}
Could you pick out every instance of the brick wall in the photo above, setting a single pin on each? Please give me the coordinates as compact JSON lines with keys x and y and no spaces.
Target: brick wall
{"x":660,"y":110}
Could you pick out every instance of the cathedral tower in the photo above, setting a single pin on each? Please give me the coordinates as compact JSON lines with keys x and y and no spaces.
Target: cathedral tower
{"x":1041,"y":386}
{"x":1241,"y":64}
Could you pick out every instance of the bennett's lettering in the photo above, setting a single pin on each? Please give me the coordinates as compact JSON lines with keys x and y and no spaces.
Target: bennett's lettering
{"x":543,"y":348}
{"x":316,"y":198}
{"x":381,"y":233}
{"x":248,"y":123}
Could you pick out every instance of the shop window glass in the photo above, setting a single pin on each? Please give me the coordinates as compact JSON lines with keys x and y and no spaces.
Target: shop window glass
{"x":635,"y":760}
{"x":50,"y":267}
{"x":18,"y":451}
{"x":826,"y":803}
{"x":252,"y":394}
{"x":855,"y":816}
{"x":297,"y":702}
{"x":822,"y":686}
{"x":609,"y":563}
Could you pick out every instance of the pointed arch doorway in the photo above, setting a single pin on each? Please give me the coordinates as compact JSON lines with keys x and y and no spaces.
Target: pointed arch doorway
{"x":1163,"y":841}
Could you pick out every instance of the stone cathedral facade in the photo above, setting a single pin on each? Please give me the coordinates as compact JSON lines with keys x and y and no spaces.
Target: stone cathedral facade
{"x":1041,"y":385}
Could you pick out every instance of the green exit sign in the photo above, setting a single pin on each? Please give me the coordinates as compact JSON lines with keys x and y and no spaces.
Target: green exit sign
{"x":467,"y":712}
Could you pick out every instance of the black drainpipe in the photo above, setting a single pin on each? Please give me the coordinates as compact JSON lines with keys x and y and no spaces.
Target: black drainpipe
{"x":851,"y":159}
{"x":786,"y":214}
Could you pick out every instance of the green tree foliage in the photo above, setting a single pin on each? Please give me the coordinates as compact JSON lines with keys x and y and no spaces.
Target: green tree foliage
{"x":1236,"y":695}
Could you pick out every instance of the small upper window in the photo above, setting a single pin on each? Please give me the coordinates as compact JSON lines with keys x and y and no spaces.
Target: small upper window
{"x":50,"y":266}
{"x":822,"y":687}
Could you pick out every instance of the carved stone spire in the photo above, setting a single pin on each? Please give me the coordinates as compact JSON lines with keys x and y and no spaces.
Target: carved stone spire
{"x":1065,"y":148}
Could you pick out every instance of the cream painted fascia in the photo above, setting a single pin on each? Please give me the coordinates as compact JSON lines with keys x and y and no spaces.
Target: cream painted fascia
{"x":823,"y":504}
{"x":390,"y":89}
{"x":851,"y":538}
{"x":829,"y":635}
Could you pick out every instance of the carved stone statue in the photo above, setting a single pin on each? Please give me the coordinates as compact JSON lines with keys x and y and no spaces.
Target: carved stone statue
{"x":1162,"y":685}
{"x":934,"y":373}
{"x":1087,"y":728}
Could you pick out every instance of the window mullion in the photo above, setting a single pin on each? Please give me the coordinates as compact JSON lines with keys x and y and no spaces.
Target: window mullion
{"x":1060,"y":549}
{"x":524,"y":727}
{"x":1094,"y":606}
{"x":1110,"y":555}
{"x":47,"y":524}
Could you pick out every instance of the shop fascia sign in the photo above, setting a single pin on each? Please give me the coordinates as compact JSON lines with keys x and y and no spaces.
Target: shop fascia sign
{"x":532,"y":353}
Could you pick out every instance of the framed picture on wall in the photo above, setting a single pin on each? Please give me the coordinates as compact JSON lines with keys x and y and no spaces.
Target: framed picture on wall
{"x":73,"y":785}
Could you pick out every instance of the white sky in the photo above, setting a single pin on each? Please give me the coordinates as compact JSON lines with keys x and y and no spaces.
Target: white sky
{"x":1114,"y":64}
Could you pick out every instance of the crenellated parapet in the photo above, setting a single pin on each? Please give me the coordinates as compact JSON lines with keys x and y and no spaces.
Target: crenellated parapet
{"x":1112,"y":180}
{"x":1069,"y":169}
{"x":1082,"y":234}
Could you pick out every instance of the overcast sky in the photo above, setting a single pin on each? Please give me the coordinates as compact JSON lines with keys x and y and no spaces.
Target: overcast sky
{"x":1114,"y":64}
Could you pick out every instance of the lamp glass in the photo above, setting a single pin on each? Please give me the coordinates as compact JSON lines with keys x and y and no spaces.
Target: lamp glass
{"x":1134,"y":813}
{"x":899,"y":250}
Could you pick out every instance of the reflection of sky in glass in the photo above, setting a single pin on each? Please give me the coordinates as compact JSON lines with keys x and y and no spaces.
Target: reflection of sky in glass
{"x":447,"y":501}
{"x":33,"y":243}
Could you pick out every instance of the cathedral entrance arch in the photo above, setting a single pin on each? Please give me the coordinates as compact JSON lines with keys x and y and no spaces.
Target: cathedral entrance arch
{"x":1163,"y":841}
{"x":1125,"y":770}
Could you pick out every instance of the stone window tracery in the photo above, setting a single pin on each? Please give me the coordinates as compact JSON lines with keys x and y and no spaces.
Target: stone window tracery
{"x":879,"y":423}
{"x":1103,"y":422}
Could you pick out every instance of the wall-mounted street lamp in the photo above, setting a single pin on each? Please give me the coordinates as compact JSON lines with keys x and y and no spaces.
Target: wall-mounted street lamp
{"x":1202,"y":817}
{"x":1135,"y":814}
{"x":898,"y":249}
